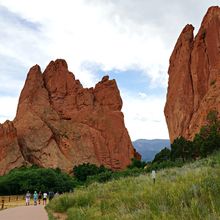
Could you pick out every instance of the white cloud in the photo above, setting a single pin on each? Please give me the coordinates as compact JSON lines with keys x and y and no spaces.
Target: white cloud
{"x":144,"y":117}
{"x":122,"y":35}
{"x":142,"y":95}
{"x":83,"y":32}
{"x":8,"y":108}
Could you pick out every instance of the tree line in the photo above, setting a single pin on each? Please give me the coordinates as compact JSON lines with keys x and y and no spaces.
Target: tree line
{"x":204,"y":143}
{"x":19,"y":180}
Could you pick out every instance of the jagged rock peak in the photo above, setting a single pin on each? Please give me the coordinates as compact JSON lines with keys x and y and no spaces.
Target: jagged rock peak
{"x":61,"y":124}
{"x":188,"y":28}
{"x":212,"y":13}
{"x":58,"y":64}
{"x":34,"y":72}
{"x":186,"y":34}
{"x":105,"y":78}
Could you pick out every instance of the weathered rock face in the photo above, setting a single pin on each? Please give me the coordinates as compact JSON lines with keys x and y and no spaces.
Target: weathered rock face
{"x":194,"y":77}
{"x":61,"y":124}
{"x":10,"y":154}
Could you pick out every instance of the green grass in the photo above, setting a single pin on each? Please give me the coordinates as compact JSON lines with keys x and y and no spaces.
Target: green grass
{"x":190,"y":192}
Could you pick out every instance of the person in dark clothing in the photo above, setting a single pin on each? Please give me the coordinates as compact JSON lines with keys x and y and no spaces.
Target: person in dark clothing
{"x":50,"y":195}
{"x":39,"y":197}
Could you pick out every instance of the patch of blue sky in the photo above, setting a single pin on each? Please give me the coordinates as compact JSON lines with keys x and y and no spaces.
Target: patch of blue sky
{"x":133,"y":80}
{"x":12,"y":76}
{"x":15,"y":19}
{"x":3,"y":116}
{"x":10,"y":68}
{"x":9,"y":92}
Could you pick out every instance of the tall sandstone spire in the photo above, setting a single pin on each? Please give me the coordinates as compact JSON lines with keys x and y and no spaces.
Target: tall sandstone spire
{"x":194,"y":77}
{"x":61,"y":124}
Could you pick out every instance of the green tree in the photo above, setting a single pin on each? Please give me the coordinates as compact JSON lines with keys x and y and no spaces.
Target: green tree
{"x":181,"y":148}
{"x":163,"y":155}
{"x":212,"y":118}
{"x":208,"y":139}
{"x":208,"y":142}
{"x":82,"y":171}
{"x":135,"y":163}
{"x":18,"y":181}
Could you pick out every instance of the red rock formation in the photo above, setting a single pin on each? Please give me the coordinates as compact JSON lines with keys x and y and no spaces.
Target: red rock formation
{"x":10,"y":153}
{"x":194,"y":77}
{"x":61,"y":124}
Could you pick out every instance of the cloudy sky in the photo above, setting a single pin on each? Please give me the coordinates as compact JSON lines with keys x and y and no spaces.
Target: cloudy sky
{"x":130,"y":40}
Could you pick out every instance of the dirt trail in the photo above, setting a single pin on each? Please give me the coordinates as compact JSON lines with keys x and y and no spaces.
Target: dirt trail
{"x":24,"y":213}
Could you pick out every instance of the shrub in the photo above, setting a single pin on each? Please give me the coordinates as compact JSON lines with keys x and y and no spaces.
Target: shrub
{"x":82,"y":171}
{"x":135,"y":163}
{"x":101,"y":177}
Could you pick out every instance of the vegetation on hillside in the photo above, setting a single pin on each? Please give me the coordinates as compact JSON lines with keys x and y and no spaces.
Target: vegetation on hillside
{"x":204,"y":143}
{"x":189,"y":192}
{"x":83,"y":171}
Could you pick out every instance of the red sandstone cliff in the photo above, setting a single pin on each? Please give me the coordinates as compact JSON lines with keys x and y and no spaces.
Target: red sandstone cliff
{"x":10,"y":153}
{"x":194,"y":77}
{"x":61,"y":124}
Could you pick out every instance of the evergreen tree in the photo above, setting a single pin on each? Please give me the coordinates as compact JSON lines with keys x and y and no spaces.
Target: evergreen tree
{"x":163,"y":155}
{"x":181,"y":148}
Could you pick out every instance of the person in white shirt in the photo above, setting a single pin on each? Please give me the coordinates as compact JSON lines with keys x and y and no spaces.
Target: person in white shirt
{"x":153,"y":176}
{"x":45,"y":198}
{"x":27,"y":198}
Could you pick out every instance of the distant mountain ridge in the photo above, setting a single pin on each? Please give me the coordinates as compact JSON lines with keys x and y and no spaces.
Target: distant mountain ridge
{"x":149,"y":148}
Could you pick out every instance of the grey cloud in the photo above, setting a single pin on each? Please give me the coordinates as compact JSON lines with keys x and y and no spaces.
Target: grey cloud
{"x":20,"y":48}
{"x":13,"y":70}
{"x":10,"y":17}
{"x":167,"y":17}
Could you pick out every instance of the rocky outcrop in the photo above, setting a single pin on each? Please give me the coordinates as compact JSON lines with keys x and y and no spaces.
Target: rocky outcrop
{"x":194,"y":77}
{"x":61,"y":124}
{"x":10,"y":153}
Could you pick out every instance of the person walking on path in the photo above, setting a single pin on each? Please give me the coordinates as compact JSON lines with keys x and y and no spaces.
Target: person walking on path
{"x":27,"y":198}
{"x":50,"y":195}
{"x":39,"y":197}
{"x":45,"y":198}
{"x":153,"y":176}
{"x":35,"y":197}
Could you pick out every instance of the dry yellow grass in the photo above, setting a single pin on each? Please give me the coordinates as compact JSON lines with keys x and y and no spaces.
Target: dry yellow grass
{"x":13,"y":201}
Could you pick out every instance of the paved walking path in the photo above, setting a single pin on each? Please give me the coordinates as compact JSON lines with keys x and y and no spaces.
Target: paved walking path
{"x":24,"y":213}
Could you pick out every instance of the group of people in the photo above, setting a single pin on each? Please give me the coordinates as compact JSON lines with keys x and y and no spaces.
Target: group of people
{"x":38,"y":197}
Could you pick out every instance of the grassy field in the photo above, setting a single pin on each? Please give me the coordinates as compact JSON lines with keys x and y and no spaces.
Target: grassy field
{"x":11,"y":201}
{"x":190,"y":192}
